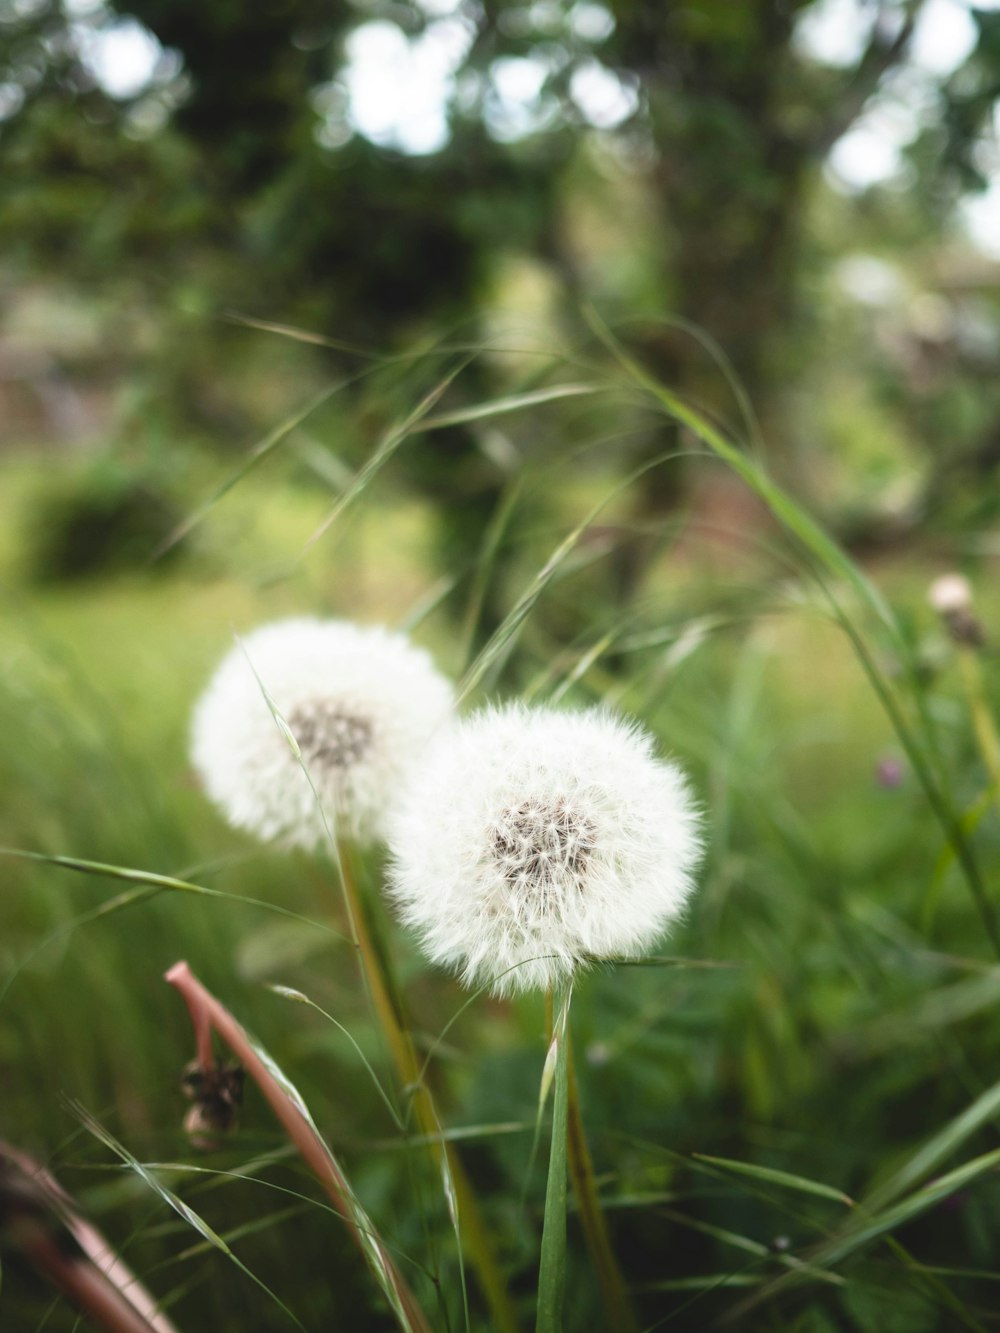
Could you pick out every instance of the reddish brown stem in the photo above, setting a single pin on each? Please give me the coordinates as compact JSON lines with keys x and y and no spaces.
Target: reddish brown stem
{"x":41,"y":1220}
{"x":207,"y":1014}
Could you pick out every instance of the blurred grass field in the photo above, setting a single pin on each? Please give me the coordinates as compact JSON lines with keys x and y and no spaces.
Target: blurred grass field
{"x":829,"y":1008}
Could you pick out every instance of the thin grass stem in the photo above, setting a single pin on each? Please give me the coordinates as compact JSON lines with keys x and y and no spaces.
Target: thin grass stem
{"x":979,"y":710}
{"x":617,"y":1304}
{"x":470,"y":1228}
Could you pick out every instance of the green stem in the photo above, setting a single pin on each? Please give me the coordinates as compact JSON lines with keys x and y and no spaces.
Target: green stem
{"x":618,"y":1307}
{"x":552,"y":1269}
{"x":936,"y":796}
{"x":979,"y":711}
{"x":387,"y":1001}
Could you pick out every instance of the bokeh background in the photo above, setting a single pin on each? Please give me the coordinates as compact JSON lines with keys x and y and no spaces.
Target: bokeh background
{"x":331,"y":309}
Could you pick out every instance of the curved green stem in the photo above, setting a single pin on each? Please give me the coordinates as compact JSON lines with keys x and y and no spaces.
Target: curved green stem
{"x":471,"y":1230}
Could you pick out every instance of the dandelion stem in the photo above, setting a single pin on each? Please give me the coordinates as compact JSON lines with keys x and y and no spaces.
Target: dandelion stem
{"x":552,"y":1269}
{"x":621,"y":1317}
{"x":207,"y":1013}
{"x":470,"y":1227}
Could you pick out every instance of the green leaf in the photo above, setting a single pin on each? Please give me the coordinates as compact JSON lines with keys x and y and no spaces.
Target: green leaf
{"x":774,"y":1177}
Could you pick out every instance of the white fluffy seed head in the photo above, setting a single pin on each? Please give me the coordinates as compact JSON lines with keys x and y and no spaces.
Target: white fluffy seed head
{"x":361,"y":703}
{"x":950,"y":593}
{"x":530,"y":842}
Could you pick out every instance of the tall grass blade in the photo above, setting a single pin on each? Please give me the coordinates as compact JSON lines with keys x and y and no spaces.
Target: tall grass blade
{"x":771,"y":1176}
{"x":183,"y":1210}
{"x":387,"y":446}
{"x":257,"y":454}
{"x":831,"y":558}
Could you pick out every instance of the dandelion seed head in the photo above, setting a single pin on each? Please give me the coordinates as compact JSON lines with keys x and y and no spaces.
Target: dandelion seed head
{"x":950,"y":593}
{"x":358,"y":702}
{"x":532,"y":841}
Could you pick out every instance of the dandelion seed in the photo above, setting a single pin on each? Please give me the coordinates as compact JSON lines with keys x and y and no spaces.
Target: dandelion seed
{"x":951,"y":597}
{"x":950,"y":593}
{"x":358,"y":703}
{"x":530,"y":842}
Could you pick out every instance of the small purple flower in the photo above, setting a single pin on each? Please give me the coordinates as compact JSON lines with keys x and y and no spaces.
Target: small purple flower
{"x":890,"y":772}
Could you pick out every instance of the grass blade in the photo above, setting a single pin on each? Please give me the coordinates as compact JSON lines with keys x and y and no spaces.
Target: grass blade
{"x":183,"y":1210}
{"x":772,"y":1176}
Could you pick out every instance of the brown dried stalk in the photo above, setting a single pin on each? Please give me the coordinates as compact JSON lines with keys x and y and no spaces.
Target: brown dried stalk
{"x":207,"y":1014}
{"x":40,"y":1219}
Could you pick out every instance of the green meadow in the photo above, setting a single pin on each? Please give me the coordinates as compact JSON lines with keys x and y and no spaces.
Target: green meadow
{"x":791,"y":1107}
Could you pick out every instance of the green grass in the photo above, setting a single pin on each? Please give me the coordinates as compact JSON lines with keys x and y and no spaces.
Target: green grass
{"x":769,"y":1106}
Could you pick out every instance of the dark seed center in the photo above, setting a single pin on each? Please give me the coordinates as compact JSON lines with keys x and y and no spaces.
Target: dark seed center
{"x":329,"y":736}
{"x":542,"y":845}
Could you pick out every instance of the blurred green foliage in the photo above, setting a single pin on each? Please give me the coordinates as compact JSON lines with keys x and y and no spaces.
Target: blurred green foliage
{"x":826,"y":1011}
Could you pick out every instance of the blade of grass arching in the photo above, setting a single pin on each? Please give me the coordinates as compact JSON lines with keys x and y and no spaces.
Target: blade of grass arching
{"x":790,"y":515}
{"x":866,"y":1226}
{"x":251,"y":1228}
{"x":982,"y":1111}
{"x":257,"y":454}
{"x":155,"y":884}
{"x":291,"y":1110}
{"x":455,"y":1135}
{"x":777,"y":1201}
{"x":217,"y":1177}
{"x":514,"y":402}
{"x":579,"y":669}
{"x":384,"y":450}
{"x":904,"y":1211}
{"x":552,"y":1259}
{"x":816,"y":542}
{"x":495,"y":530}
{"x":108,"y":871}
{"x":728,"y":371}
{"x":937,"y":798}
{"x":304,"y":336}
{"x":502,"y":640}
{"x":299,"y":998}
{"x":708,"y":1282}
{"x":750,"y":1246}
{"x":193,"y":1219}
{"x":429,"y":602}
{"x":936,"y":1287}
{"x":772,"y":1176}
{"x":930,"y":1012}
{"x":969,"y":821}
